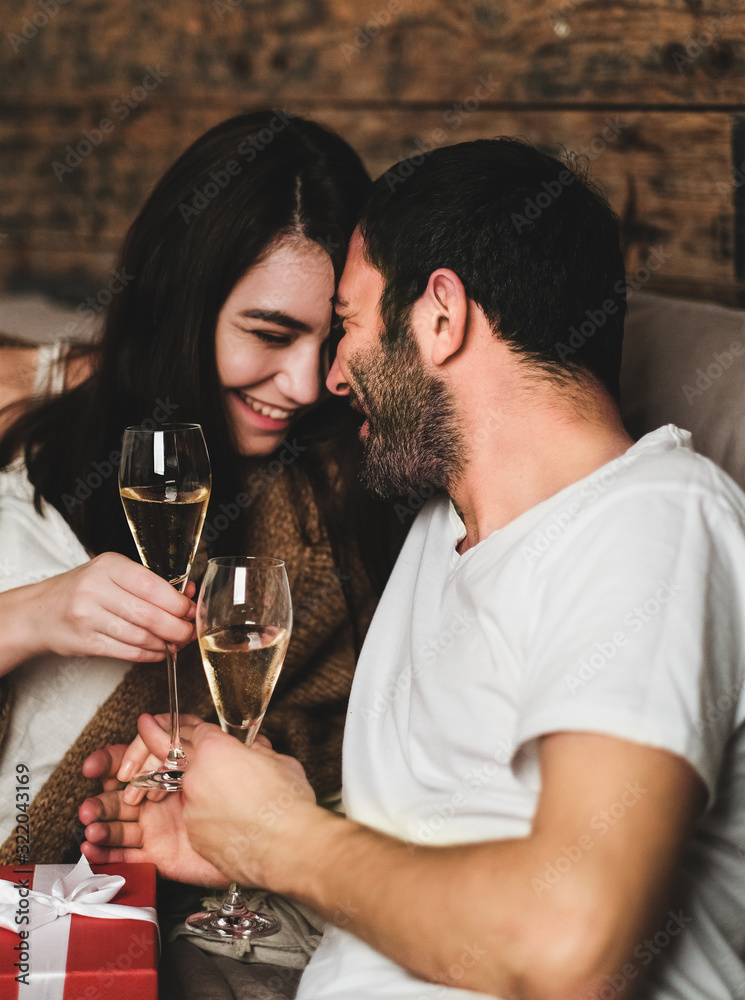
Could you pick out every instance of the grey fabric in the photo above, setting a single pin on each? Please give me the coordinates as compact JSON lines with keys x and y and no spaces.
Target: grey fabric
{"x":291,"y":947}
{"x":188,"y":972}
{"x":193,"y":974}
{"x":37,"y":319}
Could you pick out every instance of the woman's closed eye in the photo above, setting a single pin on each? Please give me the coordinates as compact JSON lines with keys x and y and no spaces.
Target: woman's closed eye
{"x":278,"y":339}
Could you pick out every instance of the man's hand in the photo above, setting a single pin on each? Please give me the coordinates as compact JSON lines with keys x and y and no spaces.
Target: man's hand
{"x":236,"y":800}
{"x":152,"y":830}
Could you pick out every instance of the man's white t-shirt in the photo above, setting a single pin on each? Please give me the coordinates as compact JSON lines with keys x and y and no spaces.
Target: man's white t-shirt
{"x":617,"y":606}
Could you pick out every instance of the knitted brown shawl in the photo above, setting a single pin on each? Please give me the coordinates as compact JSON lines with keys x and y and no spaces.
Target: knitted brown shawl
{"x":306,"y":714}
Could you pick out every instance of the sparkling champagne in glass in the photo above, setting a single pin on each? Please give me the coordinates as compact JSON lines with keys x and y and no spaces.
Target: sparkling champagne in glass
{"x":244,"y":621}
{"x":164,"y":483}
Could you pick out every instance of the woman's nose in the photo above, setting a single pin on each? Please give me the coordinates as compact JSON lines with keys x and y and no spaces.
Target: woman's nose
{"x":300,"y":378}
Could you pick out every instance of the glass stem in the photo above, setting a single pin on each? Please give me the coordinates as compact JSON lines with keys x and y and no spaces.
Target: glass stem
{"x":176,"y":756}
{"x":232,"y":901}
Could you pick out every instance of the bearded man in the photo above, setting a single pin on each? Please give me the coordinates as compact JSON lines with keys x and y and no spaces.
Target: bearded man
{"x":538,"y":804}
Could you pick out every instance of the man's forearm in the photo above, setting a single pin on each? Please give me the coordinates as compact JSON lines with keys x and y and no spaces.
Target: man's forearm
{"x":469,"y":915}
{"x":465,"y":915}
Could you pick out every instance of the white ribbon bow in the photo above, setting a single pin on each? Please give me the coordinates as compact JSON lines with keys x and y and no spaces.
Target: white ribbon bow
{"x":79,"y":891}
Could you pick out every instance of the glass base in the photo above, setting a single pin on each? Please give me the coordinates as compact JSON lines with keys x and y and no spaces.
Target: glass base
{"x":165,"y":779}
{"x":240,"y":923}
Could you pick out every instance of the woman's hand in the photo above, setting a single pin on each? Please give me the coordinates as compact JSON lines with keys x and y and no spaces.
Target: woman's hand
{"x":117,"y":830}
{"x":110,"y":606}
{"x":235,"y":803}
{"x":120,"y":767}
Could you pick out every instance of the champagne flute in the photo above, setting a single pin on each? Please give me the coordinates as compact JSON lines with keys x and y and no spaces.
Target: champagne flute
{"x":244,"y":621}
{"x":164,"y":483}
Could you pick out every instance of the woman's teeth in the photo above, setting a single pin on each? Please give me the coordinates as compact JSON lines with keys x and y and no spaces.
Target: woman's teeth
{"x":268,"y":411}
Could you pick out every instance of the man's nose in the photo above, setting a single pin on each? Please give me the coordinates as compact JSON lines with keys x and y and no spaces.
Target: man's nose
{"x":335,"y":381}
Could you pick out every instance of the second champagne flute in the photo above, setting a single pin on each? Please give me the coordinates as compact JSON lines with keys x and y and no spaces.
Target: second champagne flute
{"x":164,"y":482}
{"x":244,"y":621}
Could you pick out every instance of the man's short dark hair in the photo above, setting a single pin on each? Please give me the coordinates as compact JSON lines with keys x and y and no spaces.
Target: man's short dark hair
{"x":533,"y":243}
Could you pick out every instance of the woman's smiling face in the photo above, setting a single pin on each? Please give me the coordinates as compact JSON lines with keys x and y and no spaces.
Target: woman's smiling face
{"x":271,"y":343}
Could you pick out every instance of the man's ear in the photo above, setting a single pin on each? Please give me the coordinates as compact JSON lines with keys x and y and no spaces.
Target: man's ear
{"x":444,"y":315}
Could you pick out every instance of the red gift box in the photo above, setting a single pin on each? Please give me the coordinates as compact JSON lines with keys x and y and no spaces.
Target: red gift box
{"x":107,"y":959}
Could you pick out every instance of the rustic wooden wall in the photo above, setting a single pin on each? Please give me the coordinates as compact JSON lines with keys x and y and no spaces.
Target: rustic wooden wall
{"x":652,"y":91}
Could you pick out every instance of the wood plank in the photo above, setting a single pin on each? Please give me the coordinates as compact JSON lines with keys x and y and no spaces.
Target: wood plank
{"x":667,"y":174}
{"x":390,"y":51}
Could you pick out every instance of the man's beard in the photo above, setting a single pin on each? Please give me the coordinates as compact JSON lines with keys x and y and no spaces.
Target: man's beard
{"x":413,"y":440}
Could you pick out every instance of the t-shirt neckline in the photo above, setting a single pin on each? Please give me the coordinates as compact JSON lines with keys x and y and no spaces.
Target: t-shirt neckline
{"x":668,"y":436}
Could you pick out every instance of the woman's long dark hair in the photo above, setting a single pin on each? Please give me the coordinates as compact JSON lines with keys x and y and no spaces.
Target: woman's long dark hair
{"x":211,"y":217}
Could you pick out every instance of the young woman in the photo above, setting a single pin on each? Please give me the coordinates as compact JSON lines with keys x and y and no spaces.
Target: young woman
{"x":224,"y":320}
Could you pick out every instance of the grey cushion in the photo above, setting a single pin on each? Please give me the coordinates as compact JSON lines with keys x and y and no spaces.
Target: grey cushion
{"x":684,"y":364}
{"x":37,"y":319}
